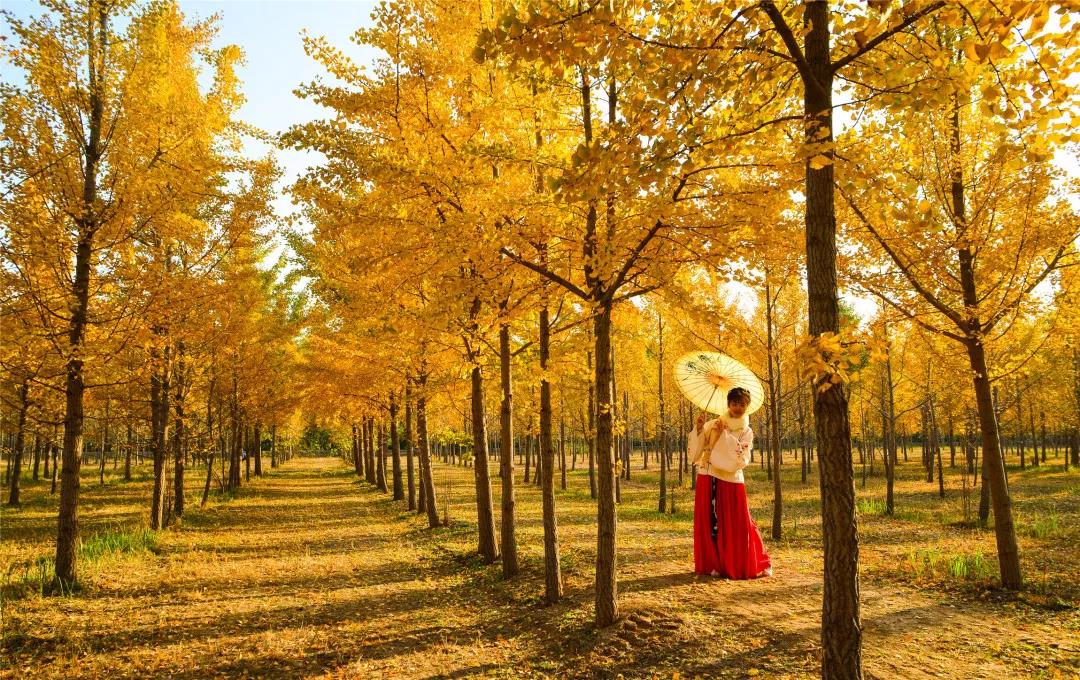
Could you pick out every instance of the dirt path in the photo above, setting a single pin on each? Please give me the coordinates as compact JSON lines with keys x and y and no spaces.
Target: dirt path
{"x":309,"y":574}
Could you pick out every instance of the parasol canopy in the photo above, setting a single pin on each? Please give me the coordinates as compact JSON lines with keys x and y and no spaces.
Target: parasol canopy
{"x":706,"y":377}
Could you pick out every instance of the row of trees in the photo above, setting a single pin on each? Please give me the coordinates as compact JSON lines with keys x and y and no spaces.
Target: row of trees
{"x":507,"y":183}
{"x":136,"y":308}
{"x":567,"y":197}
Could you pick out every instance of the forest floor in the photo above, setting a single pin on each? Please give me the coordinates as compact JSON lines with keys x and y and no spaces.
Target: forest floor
{"x":308,"y":572}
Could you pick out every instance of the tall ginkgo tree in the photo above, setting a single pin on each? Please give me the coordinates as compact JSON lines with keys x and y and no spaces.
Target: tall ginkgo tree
{"x":971,"y":191}
{"x":85,"y":155}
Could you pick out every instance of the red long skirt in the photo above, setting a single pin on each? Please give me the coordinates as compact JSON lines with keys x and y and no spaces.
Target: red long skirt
{"x":726,"y":540}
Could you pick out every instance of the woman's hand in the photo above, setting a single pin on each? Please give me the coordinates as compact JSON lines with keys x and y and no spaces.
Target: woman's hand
{"x":700,"y":421}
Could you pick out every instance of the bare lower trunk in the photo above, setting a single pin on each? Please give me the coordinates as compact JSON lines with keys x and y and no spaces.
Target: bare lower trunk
{"x":426,"y":473}
{"x":590,"y":434}
{"x":104,"y":446}
{"x":20,"y":441}
{"x":67,"y":533}
{"x":773,"y":414}
{"x":210,"y":443}
{"x":935,"y":447}
{"x":55,"y":451}
{"x":357,"y":457}
{"x":993,"y":464}
{"x":256,"y":448}
{"x":395,"y":450}
{"x":607,"y":609}
{"x":379,"y":449}
{"x":160,"y":383}
{"x":506,"y":458}
{"x":841,"y":627}
{"x":128,"y":450}
{"x":562,"y":446}
{"x":368,"y":437}
{"x":37,"y":456}
{"x":552,"y":571}
{"x":179,"y":435}
{"x":994,"y":472}
{"x":485,"y":513}
{"x":662,"y":429}
{"x":409,"y":446}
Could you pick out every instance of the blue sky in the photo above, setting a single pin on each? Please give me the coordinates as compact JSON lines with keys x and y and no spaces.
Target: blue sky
{"x":269,"y":32}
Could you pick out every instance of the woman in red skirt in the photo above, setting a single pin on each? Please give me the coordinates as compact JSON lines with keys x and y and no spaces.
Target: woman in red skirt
{"x":726,"y":540}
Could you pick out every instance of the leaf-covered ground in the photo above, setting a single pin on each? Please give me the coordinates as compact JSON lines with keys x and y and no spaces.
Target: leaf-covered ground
{"x":310,"y":573}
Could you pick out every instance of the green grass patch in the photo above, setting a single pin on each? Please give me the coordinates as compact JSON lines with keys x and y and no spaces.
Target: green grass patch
{"x":1043,"y":526}
{"x":35,"y":576}
{"x":871,"y":506}
{"x":117,"y":542}
{"x":932,"y":563}
{"x":876,"y":506}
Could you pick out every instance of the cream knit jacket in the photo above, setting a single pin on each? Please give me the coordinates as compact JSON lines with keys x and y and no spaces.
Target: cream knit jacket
{"x":731,"y":452}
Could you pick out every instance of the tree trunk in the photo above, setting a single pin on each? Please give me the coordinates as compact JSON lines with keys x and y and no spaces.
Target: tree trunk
{"x":20,"y":441}
{"x":628,"y":436}
{"x":395,"y":450}
{"x":889,"y":424}
{"x":952,"y":442}
{"x":104,"y":445}
{"x":379,"y":449}
{"x":370,"y":462}
{"x":1034,"y":436}
{"x":506,"y":456}
{"x":256,"y":446}
{"x":179,"y":435}
{"x":129,"y":448}
{"x":774,"y":417}
{"x":562,"y":444}
{"x":485,"y":513}
{"x":935,"y":447}
{"x":55,"y":463}
{"x":994,"y":472}
{"x":528,"y":453}
{"x":37,"y":456}
{"x":361,"y":449}
{"x":426,"y":473}
{"x":841,"y":627}
{"x":607,"y":609}
{"x":801,"y":411}
{"x":410,"y":474}
{"x":590,"y":433}
{"x":209,"y":443}
{"x":1042,"y":435}
{"x":71,"y":457}
{"x":538,"y":474}
{"x":88,"y":222}
{"x":993,"y":466}
{"x":662,"y":429}
{"x":552,"y":571}
{"x":357,"y":457}
{"x":235,"y":455}
{"x":160,"y":385}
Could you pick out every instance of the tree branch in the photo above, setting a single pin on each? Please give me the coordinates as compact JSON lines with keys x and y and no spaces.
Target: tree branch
{"x":545,"y":272}
{"x":882,"y":37}
{"x":792,"y":45}
{"x":1000,"y":314}
{"x":904,"y":268}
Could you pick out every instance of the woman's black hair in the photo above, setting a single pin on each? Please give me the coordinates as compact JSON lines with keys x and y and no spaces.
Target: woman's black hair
{"x":739,"y":394}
